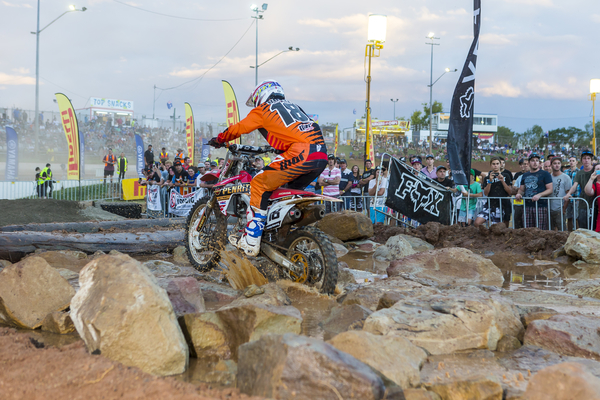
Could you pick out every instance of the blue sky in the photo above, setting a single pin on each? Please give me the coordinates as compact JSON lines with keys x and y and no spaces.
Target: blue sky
{"x":536,"y":57}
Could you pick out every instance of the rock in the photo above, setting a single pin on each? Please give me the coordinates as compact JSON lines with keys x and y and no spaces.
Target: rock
{"x":558,"y":253}
{"x":420,"y":394}
{"x":508,"y":343}
{"x":121,"y":312}
{"x":343,"y":318}
{"x":114,"y":253}
{"x":432,"y":231}
{"x":536,"y":315}
{"x":480,"y":389}
{"x":287,"y":366}
{"x":566,"y":381}
{"x":395,"y":248}
{"x":180,"y":255}
{"x":369,"y":295}
{"x":273,"y":296}
{"x":448,"y":266}
{"x":162,"y":269}
{"x":206,"y":336}
{"x":585,"y":245}
{"x":499,"y":229}
{"x":566,"y":334}
{"x":185,"y":295}
{"x":548,"y":299}
{"x":395,"y":357}
{"x":67,"y":273}
{"x":587,"y":288}
{"x":389,"y":299}
{"x":346,"y":225}
{"x":4,"y":264}
{"x":345,"y":277}
{"x":74,"y":253}
{"x":335,"y":240}
{"x":217,"y":293}
{"x":253,"y":290}
{"x":363,"y":246}
{"x":443,"y":324}
{"x":340,"y":250}
{"x":536,"y":245}
{"x":30,"y":290}
{"x":58,"y":322}
{"x":58,"y":259}
{"x":417,"y":244}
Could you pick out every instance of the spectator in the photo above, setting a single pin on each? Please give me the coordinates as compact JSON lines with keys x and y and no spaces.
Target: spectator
{"x":430,"y":171}
{"x":312,"y":186}
{"x":343,"y":166}
{"x":497,"y":184}
{"x":548,"y":166}
{"x":592,"y":189}
{"x":330,"y":181}
{"x":464,"y":217}
{"x":152,"y":176}
{"x":164,"y":155}
{"x":180,"y":177}
{"x":561,"y":183}
{"x":353,"y":190}
{"x":122,"y":166}
{"x":524,"y":165}
{"x":417,"y":165}
{"x":378,"y":187}
{"x":259,"y":163}
{"x":367,"y":176}
{"x":109,"y":161}
{"x":180,"y":154}
{"x":39,"y":189}
{"x":221,"y":163}
{"x":149,"y":156}
{"x":518,"y":221}
{"x":443,"y":180}
{"x":571,"y":172}
{"x":581,"y":179}
{"x":186,"y":163}
{"x":535,"y":184}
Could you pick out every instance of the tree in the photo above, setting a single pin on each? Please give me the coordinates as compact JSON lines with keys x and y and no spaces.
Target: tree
{"x":420,"y":119}
{"x":533,"y":136}
{"x":507,"y":136}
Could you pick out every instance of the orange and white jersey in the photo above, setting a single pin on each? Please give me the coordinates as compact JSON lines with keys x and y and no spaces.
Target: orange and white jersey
{"x":281,"y":122}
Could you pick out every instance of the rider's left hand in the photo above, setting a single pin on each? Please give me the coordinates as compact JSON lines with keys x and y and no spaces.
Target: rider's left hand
{"x":214,"y":142}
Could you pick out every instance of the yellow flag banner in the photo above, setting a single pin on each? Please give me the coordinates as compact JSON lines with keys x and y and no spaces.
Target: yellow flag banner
{"x":369,"y":147}
{"x":233,"y":111}
{"x":190,"y":132}
{"x":69,"y":123}
{"x":335,"y":143}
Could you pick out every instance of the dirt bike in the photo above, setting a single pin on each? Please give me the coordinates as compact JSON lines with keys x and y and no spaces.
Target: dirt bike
{"x":301,"y":253}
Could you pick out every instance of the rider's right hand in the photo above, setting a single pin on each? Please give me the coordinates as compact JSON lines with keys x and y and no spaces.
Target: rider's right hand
{"x":214,"y":142}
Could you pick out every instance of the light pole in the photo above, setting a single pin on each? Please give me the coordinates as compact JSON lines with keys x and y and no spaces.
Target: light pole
{"x":258,"y":16}
{"x":394,"y":101}
{"x":430,"y":105}
{"x":375,"y":39}
{"x":594,"y":88}
{"x":37,"y":66}
{"x":291,"y":48}
{"x":432,"y":38}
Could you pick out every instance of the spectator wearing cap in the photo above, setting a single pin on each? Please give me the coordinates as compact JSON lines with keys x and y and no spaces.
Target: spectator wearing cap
{"x":180,"y":177}
{"x":581,"y":179}
{"x":429,"y":171}
{"x":259,"y":163}
{"x":367,"y":176}
{"x":149,"y":156}
{"x":417,"y":164}
{"x":330,"y":182}
{"x":561,"y":183}
{"x":208,"y":184}
{"x":152,"y":175}
{"x":443,"y":180}
{"x":180,"y":154}
{"x":535,"y":184}
{"x":343,"y":166}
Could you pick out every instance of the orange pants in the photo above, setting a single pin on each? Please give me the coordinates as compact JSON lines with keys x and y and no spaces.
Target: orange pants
{"x":301,"y":164}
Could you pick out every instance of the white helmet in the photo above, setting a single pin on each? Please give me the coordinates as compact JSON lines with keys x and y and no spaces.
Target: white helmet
{"x":263,"y":91}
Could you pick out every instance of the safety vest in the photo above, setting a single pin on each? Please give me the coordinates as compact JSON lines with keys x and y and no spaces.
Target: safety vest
{"x":164,"y":155}
{"x":180,"y":155}
{"x":119,"y":164}
{"x":109,"y":158}
{"x":40,"y":180}
{"x":48,"y":175}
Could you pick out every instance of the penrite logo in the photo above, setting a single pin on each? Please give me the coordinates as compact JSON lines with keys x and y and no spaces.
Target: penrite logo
{"x":421,"y":196}
{"x":243,"y":188}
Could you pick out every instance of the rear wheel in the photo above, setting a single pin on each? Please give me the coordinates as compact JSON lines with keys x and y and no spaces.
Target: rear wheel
{"x":311,"y":249}
{"x":205,"y":235}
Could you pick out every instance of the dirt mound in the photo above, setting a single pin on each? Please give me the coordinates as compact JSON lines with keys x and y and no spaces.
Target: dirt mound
{"x":498,"y":238}
{"x":32,"y":371}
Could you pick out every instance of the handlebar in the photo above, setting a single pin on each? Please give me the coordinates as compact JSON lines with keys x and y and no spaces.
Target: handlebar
{"x":242,"y":148}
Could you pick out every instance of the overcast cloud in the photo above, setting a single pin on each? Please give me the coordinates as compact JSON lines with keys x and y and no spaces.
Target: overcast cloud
{"x":536,"y":57}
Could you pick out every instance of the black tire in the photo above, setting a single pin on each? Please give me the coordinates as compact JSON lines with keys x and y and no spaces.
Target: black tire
{"x":322,"y":252}
{"x":206,"y":254}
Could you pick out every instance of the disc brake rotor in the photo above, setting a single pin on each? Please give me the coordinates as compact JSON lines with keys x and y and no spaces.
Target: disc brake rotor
{"x":302,"y":262}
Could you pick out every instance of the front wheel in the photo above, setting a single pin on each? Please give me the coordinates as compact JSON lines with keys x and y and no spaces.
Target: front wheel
{"x":311,"y":249}
{"x":205,"y":235}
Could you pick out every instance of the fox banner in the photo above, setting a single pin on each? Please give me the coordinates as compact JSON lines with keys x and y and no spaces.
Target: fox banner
{"x":139,"y":152}
{"x":69,"y":123}
{"x":233,"y":111}
{"x":190,"y":132}
{"x":416,"y":196}
{"x":12,"y":155}
{"x":460,"y":129}
{"x":181,"y":205}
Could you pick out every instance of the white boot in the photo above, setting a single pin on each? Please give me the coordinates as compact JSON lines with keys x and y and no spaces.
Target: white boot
{"x":250,"y":241}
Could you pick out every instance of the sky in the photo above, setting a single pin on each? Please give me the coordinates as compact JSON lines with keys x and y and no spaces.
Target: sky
{"x":536,"y":57}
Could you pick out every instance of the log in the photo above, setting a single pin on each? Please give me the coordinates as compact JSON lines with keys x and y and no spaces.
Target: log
{"x":97,"y":226}
{"x":14,"y":245}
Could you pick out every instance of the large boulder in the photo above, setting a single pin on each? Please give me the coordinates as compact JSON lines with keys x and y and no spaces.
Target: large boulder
{"x":565,"y":381}
{"x":587,"y":288}
{"x":395,"y":248}
{"x":343,"y":318}
{"x":347,"y":225}
{"x":61,"y":259}
{"x":30,"y":290}
{"x":206,"y":336}
{"x":58,"y":322}
{"x":122,"y":313}
{"x":571,"y":335}
{"x":395,"y":357}
{"x":584,"y":244}
{"x":448,"y":266}
{"x":417,"y":244}
{"x":185,"y":295}
{"x":443,"y":324}
{"x":291,"y":366}
{"x":480,"y":389}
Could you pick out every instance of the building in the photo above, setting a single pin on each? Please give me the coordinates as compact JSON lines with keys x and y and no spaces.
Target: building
{"x":485,"y":127}
{"x":398,"y":129}
{"x":107,"y":110}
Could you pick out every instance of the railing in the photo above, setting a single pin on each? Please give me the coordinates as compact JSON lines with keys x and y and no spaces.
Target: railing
{"x":84,"y":190}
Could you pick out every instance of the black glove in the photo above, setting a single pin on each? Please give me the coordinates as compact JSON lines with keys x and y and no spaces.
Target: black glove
{"x":214,"y":142}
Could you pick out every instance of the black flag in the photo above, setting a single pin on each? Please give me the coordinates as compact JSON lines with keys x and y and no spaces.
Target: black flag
{"x":460,"y":130}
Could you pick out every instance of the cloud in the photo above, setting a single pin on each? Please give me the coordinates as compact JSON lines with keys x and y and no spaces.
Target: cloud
{"x":596,"y":18}
{"x":21,"y":70}
{"x":6,"y":79}
{"x":543,"y":3}
{"x":460,"y":11}
{"x":335,"y":25}
{"x":500,"y":88}
{"x":7,"y":4}
{"x":497,"y":39}
{"x":552,"y":90}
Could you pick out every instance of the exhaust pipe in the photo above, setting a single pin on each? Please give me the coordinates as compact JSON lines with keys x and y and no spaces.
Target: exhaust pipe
{"x":292,"y":216}
{"x":311,"y":214}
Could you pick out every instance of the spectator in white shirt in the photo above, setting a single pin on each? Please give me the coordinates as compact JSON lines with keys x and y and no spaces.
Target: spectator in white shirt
{"x":381,"y":193}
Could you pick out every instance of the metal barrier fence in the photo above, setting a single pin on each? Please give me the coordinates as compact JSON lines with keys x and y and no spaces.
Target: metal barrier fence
{"x":84,"y":190}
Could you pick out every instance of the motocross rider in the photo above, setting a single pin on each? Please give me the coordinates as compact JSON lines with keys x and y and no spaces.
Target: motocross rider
{"x":286,"y":127}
